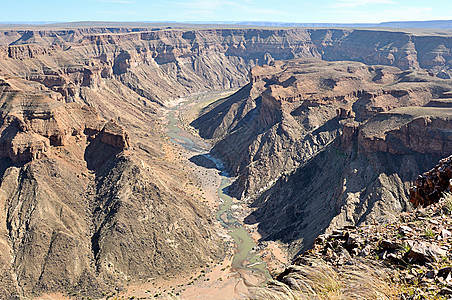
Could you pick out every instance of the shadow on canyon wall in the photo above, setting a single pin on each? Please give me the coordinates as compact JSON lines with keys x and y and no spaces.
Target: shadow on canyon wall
{"x":334,"y":189}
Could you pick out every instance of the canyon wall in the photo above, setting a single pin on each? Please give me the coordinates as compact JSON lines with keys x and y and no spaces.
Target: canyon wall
{"x":88,"y":208}
{"x":292,"y":110}
{"x":83,"y":152}
{"x":317,"y":145}
{"x":160,"y":64}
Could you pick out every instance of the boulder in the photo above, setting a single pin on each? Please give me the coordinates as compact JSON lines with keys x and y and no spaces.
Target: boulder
{"x":114,"y":134}
{"x":430,"y":186}
{"x":422,"y":252}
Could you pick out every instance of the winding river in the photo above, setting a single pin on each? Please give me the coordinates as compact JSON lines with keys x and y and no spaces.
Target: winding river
{"x":244,"y":257}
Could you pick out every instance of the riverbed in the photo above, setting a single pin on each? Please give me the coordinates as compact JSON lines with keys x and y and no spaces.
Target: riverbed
{"x":244,"y":258}
{"x":243,"y":268}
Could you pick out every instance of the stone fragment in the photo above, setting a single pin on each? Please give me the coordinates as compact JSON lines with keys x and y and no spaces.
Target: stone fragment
{"x":445,"y":291}
{"x":422,"y":252}
{"x":366,"y":251}
{"x":405,"y":230}
{"x":320,"y":240}
{"x":430,"y":186}
{"x":430,"y":274}
{"x":445,"y":233}
{"x":444,"y":272}
{"x":389,"y":245}
{"x":354,"y":241}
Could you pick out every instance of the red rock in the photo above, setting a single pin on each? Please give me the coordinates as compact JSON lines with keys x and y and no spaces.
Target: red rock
{"x":430,"y":186}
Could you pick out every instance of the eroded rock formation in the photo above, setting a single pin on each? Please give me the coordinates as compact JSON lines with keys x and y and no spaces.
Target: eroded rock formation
{"x":431,"y":186}
{"x":292,"y":110}
{"x":320,"y":145}
{"x":83,"y":211}
{"x":31,"y":124}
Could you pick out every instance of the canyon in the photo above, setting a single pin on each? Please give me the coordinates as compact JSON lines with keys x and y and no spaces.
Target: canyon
{"x":319,"y":145}
{"x":327,"y":128}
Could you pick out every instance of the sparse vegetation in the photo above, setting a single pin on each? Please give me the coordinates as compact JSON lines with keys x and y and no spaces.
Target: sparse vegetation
{"x":429,"y":233}
{"x":318,"y":280}
{"x":447,"y":203}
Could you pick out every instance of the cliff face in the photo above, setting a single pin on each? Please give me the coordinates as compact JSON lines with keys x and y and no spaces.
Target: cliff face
{"x":405,"y":130}
{"x":86,"y":208}
{"x":160,"y":64}
{"x":363,"y":177}
{"x":319,"y":145}
{"x":33,"y":123}
{"x":84,"y":173}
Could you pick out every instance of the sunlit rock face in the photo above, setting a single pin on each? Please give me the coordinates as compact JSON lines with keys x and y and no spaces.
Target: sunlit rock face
{"x":319,"y":145}
{"x":84,"y":171}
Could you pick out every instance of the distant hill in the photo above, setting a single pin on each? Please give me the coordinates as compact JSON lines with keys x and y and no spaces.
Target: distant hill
{"x":437,"y":24}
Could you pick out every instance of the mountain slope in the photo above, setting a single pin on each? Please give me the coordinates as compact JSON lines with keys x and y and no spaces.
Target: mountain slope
{"x":85,"y":210}
{"x":319,"y":145}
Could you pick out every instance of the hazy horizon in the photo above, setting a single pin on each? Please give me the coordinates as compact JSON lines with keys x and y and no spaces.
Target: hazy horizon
{"x":204,"y":11}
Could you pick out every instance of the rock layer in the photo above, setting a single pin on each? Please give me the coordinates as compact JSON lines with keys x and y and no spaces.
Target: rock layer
{"x":431,"y":185}
{"x":319,"y":145}
{"x":162,"y":63}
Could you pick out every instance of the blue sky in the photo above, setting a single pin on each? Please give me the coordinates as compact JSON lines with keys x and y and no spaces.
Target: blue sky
{"x":302,"y":11}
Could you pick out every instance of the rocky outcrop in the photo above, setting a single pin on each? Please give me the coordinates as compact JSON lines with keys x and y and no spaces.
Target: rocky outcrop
{"x":32,"y":124}
{"x":114,"y":134}
{"x":26,"y":147}
{"x":292,"y":110}
{"x":411,"y":254}
{"x":84,"y":212}
{"x":431,"y":186}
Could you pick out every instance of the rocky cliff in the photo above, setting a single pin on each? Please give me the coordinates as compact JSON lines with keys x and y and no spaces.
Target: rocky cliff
{"x":161,"y":63}
{"x":292,"y":110}
{"x":407,"y":258}
{"x":319,"y":145}
{"x":84,"y":171}
{"x":85,"y":208}
{"x":432,"y":185}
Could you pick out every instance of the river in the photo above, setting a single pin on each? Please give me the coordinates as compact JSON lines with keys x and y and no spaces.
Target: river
{"x":244,"y":257}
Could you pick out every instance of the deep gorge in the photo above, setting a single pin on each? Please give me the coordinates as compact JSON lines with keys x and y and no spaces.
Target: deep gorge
{"x":86,"y":168}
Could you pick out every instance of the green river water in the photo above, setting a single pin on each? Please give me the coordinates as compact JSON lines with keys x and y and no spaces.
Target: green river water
{"x":244,"y":258}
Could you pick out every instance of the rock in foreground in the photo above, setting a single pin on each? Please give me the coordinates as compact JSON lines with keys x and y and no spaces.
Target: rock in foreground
{"x":405,"y":259}
{"x":431,"y":186}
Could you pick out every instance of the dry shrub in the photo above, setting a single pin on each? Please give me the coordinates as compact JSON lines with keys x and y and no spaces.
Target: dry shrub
{"x":318,"y":280}
{"x":447,"y":202}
